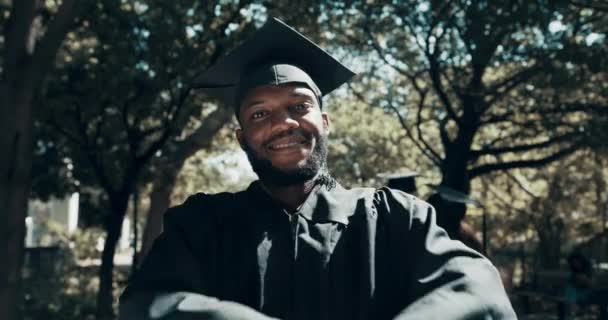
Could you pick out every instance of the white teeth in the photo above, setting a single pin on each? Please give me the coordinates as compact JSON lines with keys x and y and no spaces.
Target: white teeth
{"x":284,"y":145}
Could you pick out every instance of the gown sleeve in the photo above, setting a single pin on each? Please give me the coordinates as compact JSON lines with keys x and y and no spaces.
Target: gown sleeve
{"x":173,"y":282}
{"x":445,"y":279}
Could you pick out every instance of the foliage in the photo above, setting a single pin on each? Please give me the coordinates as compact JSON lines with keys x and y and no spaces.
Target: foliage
{"x":109,"y":134}
{"x":122,"y":91}
{"x":63,"y":286}
{"x":222,"y":168}
{"x":550,"y":210}
{"x":366,"y":141}
{"x":30,"y":39}
{"x":480,"y":86}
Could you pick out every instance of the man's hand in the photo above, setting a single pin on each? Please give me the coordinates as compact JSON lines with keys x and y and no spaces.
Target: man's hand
{"x":193,"y":306}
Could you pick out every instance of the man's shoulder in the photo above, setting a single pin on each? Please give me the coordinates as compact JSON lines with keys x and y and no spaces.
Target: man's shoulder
{"x":394,"y":198}
{"x":387,"y":204}
{"x":205,"y":205}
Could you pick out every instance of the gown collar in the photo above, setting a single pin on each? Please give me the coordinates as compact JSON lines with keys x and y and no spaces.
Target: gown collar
{"x":322,"y":204}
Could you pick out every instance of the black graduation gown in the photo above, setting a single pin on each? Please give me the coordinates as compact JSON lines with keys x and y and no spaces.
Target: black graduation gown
{"x":345,"y":254}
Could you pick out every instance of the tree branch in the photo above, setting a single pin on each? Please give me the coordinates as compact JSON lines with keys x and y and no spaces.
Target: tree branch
{"x":430,"y":149}
{"x":498,"y":90}
{"x":17,"y":29}
{"x":572,"y":107}
{"x":67,"y":133}
{"x":132,"y":140}
{"x":52,"y":39}
{"x":170,"y":122}
{"x":425,"y":147}
{"x":218,"y":36}
{"x":523,"y":147}
{"x":497,"y":118}
{"x":520,"y":184}
{"x":376,"y":46}
{"x":533,"y":163}
{"x":442,"y":13}
{"x":443,"y":132}
{"x":104,"y":180}
{"x":404,"y":125}
{"x":202,"y":137}
{"x":435,"y":75}
{"x":590,"y":5}
{"x":504,"y":202}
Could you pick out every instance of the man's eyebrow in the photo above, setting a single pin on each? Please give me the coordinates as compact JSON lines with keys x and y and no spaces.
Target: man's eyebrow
{"x":301,"y":94}
{"x":252,"y":103}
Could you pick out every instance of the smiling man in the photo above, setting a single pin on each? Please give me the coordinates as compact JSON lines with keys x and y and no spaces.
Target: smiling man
{"x":296,"y":244}
{"x":284,"y":133}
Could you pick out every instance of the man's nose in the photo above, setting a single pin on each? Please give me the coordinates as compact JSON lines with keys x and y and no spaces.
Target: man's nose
{"x":284,"y":120}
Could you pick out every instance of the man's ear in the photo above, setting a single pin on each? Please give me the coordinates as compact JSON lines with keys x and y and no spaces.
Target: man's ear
{"x":238,"y":133}
{"x":326,"y":121}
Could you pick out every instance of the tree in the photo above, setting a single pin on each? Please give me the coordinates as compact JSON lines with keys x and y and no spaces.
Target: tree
{"x":548,"y":210}
{"x":366,"y":142}
{"x":32,"y":34}
{"x":169,"y":167}
{"x":123,"y":100}
{"x":222,"y":168}
{"x":485,"y":86}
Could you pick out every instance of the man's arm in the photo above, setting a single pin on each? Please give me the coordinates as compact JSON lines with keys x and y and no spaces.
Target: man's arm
{"x":446,"y":279}
{"x":173,"y":283}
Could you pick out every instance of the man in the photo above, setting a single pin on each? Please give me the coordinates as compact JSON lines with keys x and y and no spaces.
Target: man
{"x":296,"y":244}
{"x":450,"y":207}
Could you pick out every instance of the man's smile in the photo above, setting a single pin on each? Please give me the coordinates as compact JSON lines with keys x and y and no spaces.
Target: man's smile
{"x":289,"y":142}
{"x":285,"y":145}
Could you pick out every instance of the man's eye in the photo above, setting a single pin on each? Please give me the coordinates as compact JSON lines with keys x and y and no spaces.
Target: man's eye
{"x":258,"y":114}
{"x":300,"y":107}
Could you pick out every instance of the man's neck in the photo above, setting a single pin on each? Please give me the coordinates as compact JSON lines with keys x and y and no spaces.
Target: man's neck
{"x":290,"y":197}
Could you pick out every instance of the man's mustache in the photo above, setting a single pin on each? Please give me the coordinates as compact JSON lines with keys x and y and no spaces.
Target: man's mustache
{"x":290,"y":132}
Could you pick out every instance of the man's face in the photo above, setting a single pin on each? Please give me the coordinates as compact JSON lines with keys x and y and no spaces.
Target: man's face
{"x":284,"y":133}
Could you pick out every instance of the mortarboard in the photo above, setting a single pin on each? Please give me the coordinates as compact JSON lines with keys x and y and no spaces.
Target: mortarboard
{"x":404,"y":181}
{"x":455,"y":196}
{"x":275,"y":54}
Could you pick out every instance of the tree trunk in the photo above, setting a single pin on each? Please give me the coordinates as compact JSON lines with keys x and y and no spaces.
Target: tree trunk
{"x":26,"y":60}
{"x":454,"y":174}
{"x":15,"y":165}
{"x":105,"y":296}
{"x":454,"y":167}
{"x":160,"y":200}
{"x":549,"y":247}
{"x":16,"y":94}
{"x":600,"y":187}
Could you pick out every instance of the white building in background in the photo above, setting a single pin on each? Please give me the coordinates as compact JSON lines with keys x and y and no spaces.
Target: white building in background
{"x":45,"y":218}
{"x":61,"y":213}
{"x":42,"y":215}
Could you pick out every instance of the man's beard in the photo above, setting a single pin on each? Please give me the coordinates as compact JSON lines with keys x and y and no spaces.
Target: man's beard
{"x":272,"y":175}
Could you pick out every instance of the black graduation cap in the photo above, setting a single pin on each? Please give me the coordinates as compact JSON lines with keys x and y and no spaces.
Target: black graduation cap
{"x":274,"y":54}
{"x":404,"y":181}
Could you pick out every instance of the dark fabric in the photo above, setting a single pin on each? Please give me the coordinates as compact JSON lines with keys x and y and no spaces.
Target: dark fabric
{"x":273,"y":74}
{"x":346,"y":254}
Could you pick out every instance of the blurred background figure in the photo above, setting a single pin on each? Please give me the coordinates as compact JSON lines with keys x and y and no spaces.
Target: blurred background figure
{"x":578,"y":290}
{"x":451,"y":208}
